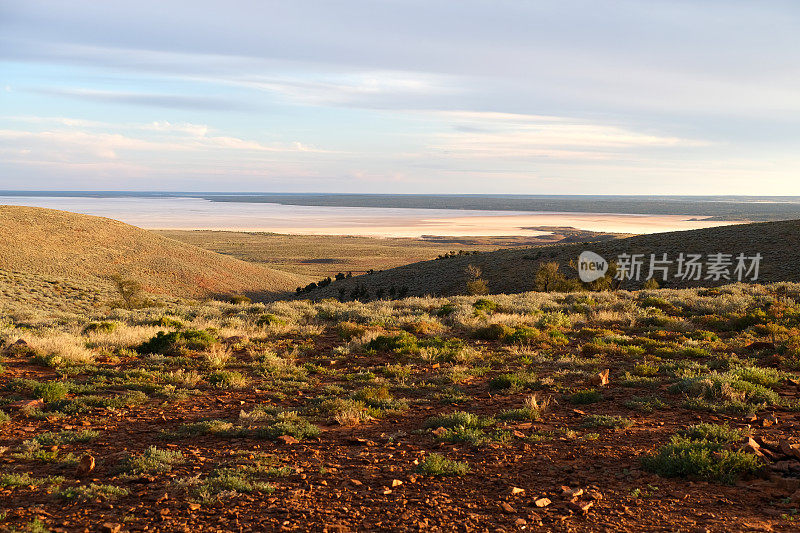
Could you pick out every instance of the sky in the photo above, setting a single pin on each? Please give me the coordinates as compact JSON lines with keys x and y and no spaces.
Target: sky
{"x":402,"y":96}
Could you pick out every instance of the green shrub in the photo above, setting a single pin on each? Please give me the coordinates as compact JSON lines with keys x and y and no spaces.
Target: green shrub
{"x":92,"y":491}
{"x":152,"y":460}
{"x":702,"y":453}
{"x":493,"y":332}
{"x":485,"y":305}
{"x":456,"y":419}
{"x":204,"y":427}
{"x":4,"y":418}
{"x":515,"y":381}
{"x":288,"y":423}
{"x":177,"y":342}
{"x":227,"y":379}
{"x":446,"y":309}
{"x":269,"y":319}
{"x":52,"y":438}
{"x":402,"y":343}
{"x":100,"y":327}
{"x":721,"y":434}
{"x":51,"y":391}
{"x":438,"y":465}
{"x":168,"y":322}
{"x":586,"y":396}
{"x":606,"y":421}
{"x":645,"y":404}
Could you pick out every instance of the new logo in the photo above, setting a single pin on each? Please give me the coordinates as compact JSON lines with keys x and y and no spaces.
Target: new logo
{"x":591,"y":266}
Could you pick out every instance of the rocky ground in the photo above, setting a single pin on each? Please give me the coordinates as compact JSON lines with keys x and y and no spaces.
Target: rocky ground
{"x":316,"y":437}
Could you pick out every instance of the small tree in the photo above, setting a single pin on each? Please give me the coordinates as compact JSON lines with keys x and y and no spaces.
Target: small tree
{"x":476,"y":285}
{"x":548,"y":278}
{"x":651,"y":284}
{"x":130,"y":291}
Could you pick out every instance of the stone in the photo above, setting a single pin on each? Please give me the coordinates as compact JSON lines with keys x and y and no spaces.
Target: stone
{"x":792,"y":450}
{"x":439,"y":431}
{"x":507,"y":508}
{"x":85,"y":466}
{"x":110,"y":527}
{"x":595,"y":495}
{"x":288,"y":439}
{"x":769,"y":420}
{"x":355,"y":482}
{"x":581,"y":507}
{"x":396,"y":483}
{"x":542,"y":502}
{"x":194,"y":506}
{"x":27,"y":404}
{"x":601,"y":379}
{"x":571,"y":493}
{"x":752,"y":446}
{"x":516,"y":490}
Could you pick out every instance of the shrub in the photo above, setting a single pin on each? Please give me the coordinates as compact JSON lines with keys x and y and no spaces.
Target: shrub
{"x":534,"y":408}
{"x":152,"y":460}
{"x":130,"y":291}
{"x":494,"y":332}
{"x":606,"y":421}
{"x":456,"y":419}
{"x":515,"y":381}
{"x":438,"y":465}
{"x":475,"y":283}
{"x":268,"y":319}
{"x":227,"y":379}
{"x":92,"y":491}
{"x":168,"y":322}
{"x":4,"y":418}
{"x":703,"y":452}
{"x":485,"y":305}
{"x":446,"y":309}
{"x":51,"y":391}
{"x":238,"y":299}
{"x":204,"y":427}
{"x":288,"y":423}
{"x":586,"y":396}
{"x":402,"y":343}
{"x":177,"y":342}
{"x":645,"y":404}
{"x":721,"y":434}
{"x":100,"y":327}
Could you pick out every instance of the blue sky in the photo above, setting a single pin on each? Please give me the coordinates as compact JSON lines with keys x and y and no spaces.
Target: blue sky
{"x":494,"y":96}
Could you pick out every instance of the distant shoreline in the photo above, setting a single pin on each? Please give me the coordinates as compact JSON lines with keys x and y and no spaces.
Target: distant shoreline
{"x":192,"y":213}
{"x":709,"y":208}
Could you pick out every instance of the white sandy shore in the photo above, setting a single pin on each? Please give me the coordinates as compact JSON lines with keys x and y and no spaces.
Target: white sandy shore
{"x":193,"y":213}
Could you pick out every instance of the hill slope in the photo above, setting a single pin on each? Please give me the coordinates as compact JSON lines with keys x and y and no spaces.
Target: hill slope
{"x":40,"y":242}
{"x":513,"y":270}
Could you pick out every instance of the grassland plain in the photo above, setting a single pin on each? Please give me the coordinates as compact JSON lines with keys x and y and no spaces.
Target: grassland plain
{"x":639,"y":411}
{"x":514,"y":270}
{"x":62,"y":249}
{"x":319,"y":256}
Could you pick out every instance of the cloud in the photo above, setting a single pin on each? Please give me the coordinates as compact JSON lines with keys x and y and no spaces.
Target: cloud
{"x":517,"y":136}
{"x":170,"y":101}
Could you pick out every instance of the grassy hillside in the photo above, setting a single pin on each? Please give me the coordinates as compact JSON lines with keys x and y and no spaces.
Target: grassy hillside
{"x":615,"y":411}
{"x":513,"y":270}
{"x":49,"y":248}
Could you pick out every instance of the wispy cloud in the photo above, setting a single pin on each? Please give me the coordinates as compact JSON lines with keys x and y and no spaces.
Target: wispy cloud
{"x":169,"y":101}
{"x":518,"y":136}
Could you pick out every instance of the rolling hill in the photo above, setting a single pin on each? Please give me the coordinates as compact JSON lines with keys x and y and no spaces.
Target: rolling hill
{"x":513,"y":270}
{"x":59,"y":252}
